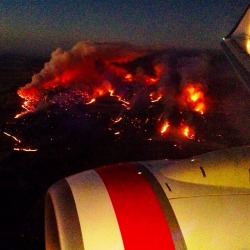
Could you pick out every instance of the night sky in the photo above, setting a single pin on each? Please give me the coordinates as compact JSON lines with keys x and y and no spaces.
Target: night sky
{"x":41,"y":26}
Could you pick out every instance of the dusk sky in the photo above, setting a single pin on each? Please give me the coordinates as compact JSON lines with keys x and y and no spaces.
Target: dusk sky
{"x":41,"y":26}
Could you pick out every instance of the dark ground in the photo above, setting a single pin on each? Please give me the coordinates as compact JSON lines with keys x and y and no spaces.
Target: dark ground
{"x":73,"y":140}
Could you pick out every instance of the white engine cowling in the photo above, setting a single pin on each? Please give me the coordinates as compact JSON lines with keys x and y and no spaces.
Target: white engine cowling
{"x":199,"y":203}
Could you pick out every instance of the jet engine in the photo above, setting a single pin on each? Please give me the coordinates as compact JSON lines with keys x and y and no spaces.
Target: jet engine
{"x":197,"y":203}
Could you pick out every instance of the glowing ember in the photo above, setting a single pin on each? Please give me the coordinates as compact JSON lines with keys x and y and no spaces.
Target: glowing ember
{"x":125,"y":103}
{"x":13,"y":137}
{"x":155,"y":96}
{"x":25,"y":149}
{"x":19,"y":141}
{"x":28,"y":106}
{"x":193,"y":97}
{"x":151,"y":80}
{"x":111,"y":92}
{"x":128,"y":78}
{"x":165,"y":127}
{"x":20,"y":114}
{"x":200,"y":108}
{"x":103,"y":89}
{"x":91,"y":101}
{"x":117,"y":120}
{"x":187,"y":131}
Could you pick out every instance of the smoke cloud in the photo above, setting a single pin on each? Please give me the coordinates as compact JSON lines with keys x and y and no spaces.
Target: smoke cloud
{"x":171,"y":90}
{"x":84,"y":68}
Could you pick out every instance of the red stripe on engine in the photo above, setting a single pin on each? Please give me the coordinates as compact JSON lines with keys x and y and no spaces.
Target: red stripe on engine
{"x":140,"y":217}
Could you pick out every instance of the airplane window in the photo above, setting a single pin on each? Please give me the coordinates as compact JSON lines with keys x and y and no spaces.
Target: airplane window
{"x":84,"y":85}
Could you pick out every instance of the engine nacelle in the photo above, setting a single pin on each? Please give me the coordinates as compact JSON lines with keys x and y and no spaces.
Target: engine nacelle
{"x":198,"y":203}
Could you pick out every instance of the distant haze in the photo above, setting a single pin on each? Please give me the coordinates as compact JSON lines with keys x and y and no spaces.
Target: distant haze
{"x":41,"y":26}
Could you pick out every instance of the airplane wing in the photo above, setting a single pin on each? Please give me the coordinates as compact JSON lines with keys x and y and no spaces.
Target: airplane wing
{"x":237,"y":48}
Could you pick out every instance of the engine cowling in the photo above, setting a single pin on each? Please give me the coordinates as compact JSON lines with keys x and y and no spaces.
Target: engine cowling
{"x":186,"y":204}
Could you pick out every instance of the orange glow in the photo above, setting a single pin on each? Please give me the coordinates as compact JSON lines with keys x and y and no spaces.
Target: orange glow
{"x":155,"y":96}
{"x":128,"y":78}
{"x":83,"y":79}
{"x":193,"y":97}
{"x":187,"y":131}
{"x":117,"y":120}
{"x":19,"y":141}
{"x":151,"y":80}
{"x":182,"y":130}
{"x":91,"y":101}
{"x":103,"y":89}
{"x":158,"y":70}
{"x":111,"y":92}
{"x":21,"y":114}
{"x":125,"y":103}
{"x":85,"y":75}
{"x":25,"y":149}
{"x":200,"y":107}
{"x":165,"y":127}
{"x":13,"y":137}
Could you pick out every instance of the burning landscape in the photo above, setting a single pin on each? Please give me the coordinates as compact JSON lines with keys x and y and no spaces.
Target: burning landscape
{"x":153,"y":97}
{"x":98,"y":104}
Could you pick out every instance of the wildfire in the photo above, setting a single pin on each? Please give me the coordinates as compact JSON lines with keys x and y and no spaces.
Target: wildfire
{"x":13,"y":137}
{"x":103,"y":89}
{"x":93,"y":72}
{"x":27,"y":105}
{"x":20,"y":114}
{"x":155,"y":96}
{"x":193,"y":97}
{"x":165,"y":127}
{"x":180,"y":130}
{"x":83,"y":75}
{"x":151,"y":80}
{"x":125,"y":103}
{"x":19,"y":141}
{"x":91,"y":101}
{"x":117,"y":120}
{"x":25,"y":149}
{"x":128,"y":78}
{"x":188,"y":132}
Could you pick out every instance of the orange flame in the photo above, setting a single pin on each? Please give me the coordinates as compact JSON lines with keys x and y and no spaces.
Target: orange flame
{"x":117,"y":120}
{"x":21,"y":114}
{"x":25,"y":149}
{"x":151,"y":80}
{"x":125,"y":103}
{"x":103,"y":89}
{"x":128,"y":78}
{"x":13,"y":137}
{"x":165,"y":127}
{"x":155,"y":96}
{"x":187,"y":131}
{"x":91,"y":101}
{"x":193,"y":97}
{"x":92,"y":76}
